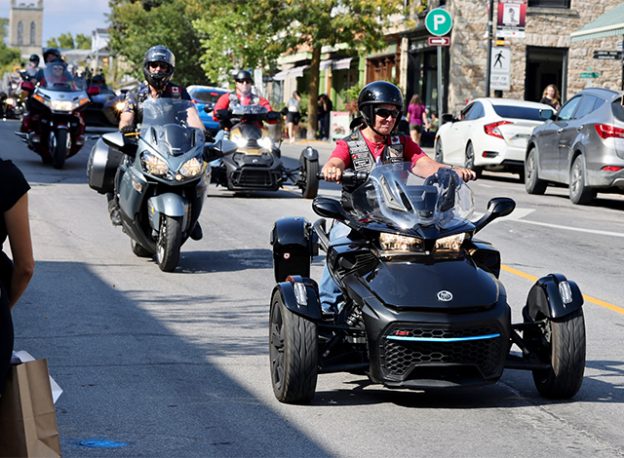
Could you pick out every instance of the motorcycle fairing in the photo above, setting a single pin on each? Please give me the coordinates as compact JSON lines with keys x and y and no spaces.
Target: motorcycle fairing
{"x":169,"y":204}
{"x":545,"y":298}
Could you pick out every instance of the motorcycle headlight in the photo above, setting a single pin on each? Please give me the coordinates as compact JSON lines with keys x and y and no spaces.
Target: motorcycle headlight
{"x":119,"y":106}
{"x":62,"y":105}
{"x":450,"y":244}
{"x":10,"y":101}
{"x":265,"y":143}
{"x":400,"y":243}
{"x":191,"y":168}
{"x":241,"y":142}
{"x":153,"y":164}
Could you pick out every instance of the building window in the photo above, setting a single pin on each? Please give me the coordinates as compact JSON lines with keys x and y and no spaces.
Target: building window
{"x":20,"y":33}
{"x":550,"y":3}
{"x":33,"y":29}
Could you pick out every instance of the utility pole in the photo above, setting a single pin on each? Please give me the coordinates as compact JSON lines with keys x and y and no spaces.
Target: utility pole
{"x":490,"y":35}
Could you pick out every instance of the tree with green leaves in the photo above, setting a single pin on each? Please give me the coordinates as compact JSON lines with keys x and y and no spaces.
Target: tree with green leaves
{"x":64,"y":41}
{"x":249,"y":34}
{"x":138,"y":25}
{"x":82,"y":41}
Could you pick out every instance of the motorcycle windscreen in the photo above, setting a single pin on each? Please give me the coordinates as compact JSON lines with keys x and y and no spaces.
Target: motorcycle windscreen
{"x":453,"y":284}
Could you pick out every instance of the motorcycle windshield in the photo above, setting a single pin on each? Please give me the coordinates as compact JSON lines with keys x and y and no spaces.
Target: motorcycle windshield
{"x":58,"y":78}
{"x":394,"y":196}
{"x":168,"y":119}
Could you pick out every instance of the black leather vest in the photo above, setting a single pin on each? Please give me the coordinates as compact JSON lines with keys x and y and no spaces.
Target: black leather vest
{"x":362,"y":157}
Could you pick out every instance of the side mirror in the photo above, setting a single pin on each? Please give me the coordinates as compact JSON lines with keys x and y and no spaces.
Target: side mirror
{"x":328,"y":208}
{"x":497,"y":208}
{"x":545,"y":115}
{"x":446,"y":117}
{"x":114,"y":139}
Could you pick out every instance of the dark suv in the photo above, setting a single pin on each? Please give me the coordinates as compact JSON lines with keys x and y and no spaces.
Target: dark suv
{"x":582,"y":146}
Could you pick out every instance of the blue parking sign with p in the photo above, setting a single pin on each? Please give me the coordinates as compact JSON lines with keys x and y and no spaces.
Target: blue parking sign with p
{"x":438,"y":22}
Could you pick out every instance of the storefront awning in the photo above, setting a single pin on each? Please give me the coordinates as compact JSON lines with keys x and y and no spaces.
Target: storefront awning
{"x":295,"y":72}
{"x":611,"y":23}
{"x":336,"y":64}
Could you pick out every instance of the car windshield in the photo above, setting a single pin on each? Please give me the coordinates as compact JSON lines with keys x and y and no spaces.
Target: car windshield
{"x":394,"y":196}
{"x":58,"y":78}
{"x":510,"y":111}
{"x":206,"y":96}
{"x":169,"y":119}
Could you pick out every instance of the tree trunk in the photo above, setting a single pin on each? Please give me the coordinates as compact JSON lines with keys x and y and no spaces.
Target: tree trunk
{"x":313,"y":91}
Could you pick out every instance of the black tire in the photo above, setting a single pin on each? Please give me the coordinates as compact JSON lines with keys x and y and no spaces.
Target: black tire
{"x":293,"y":352}
{"x":169,"y":243}
{"x":470,"y":160}
{"x":139,"y":250}
{"x":579,"y":192}
{"x":563,"y":346}
{"x":310,"y":186}
{"x":532,"y":183}
{"x":439,"y":154}
{"x":59,"y":149}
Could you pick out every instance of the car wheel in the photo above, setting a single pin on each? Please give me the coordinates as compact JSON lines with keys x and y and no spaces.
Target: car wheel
{"x":562,"y":345}
{"x":293,"y":352}
{"x":470,"y":160}
{"x":532,"y":183}
{"x":580,"y":193}
{"x":439,"y":155}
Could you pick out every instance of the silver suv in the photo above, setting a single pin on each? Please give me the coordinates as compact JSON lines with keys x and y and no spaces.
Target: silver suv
{"x":582,"y":146}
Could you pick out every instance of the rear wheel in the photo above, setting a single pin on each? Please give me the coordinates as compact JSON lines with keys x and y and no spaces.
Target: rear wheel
{"x":470,"y":160}
{"x":60,"y":144}
{"x":580,"y":193}
{"x":532,"y":183}
{"x":139,"y":250}
{"x":310,"y":174}
{"x":169,"y":243}
{"x":439,"y":155}
{"x":562,"y":344}
{"x":293,"y":351}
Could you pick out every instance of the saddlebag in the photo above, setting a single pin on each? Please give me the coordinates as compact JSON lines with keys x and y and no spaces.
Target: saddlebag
{"x":102,"y":166}
{"x":294,"y":245}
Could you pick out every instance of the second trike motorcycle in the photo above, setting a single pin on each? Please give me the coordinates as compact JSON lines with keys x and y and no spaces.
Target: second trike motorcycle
{"x":161,"y":177}
{"x":257,"y":165}
{"x":423,"y":306}
{"x":54,"y":127}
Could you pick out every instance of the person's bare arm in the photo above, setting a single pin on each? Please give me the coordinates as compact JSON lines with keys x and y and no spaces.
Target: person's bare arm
{"x":126,"y":118}
{"x":425,"y":166}
{"x":18,"y":230}
{"x":193,"y":118}
{"x":332,"y":170}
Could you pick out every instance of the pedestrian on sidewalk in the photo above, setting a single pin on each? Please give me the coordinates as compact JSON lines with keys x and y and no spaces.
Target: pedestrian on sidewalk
{"x":293,"y":116}
{"x":417,"y":118}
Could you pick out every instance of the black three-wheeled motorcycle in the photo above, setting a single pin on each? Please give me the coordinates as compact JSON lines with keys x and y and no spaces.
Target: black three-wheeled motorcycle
{"x":423,"y":306}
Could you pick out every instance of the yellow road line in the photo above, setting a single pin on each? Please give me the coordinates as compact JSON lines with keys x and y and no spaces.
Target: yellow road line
{"x":587,"y":298}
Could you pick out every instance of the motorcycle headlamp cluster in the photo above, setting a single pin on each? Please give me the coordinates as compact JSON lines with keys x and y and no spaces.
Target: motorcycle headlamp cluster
{"x":61,"y":105}
{"x":240,"y":141}
{"x":399,"y":244}
{"x":265,"y":143}
{"x":154,"y":165}
{"x":119,"y":106}
{"x":191,"y":168}
{"x":449,"y":245}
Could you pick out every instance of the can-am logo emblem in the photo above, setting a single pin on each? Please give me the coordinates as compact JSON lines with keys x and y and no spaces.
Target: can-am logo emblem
{"x":445,"y":296}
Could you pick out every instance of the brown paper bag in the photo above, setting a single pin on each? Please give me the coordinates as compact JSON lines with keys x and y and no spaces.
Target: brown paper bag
{"x":27,"y":416}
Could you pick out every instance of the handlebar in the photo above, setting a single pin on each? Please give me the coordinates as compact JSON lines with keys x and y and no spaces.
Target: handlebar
{"x":350,"y":178}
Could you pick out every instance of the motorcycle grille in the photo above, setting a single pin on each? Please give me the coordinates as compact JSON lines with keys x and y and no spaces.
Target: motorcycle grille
{"x":400,"y":358}
{"x":250,"y":178}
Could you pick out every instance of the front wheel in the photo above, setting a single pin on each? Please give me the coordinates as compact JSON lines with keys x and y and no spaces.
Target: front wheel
{"x":293,"y":352}
{"x":59,"y":145}
{"x":562,"y":344}
{"x":580,"y":193}
{"x":532,"y":183}
{"x":310,"y":173}
{"x":169,"y":243}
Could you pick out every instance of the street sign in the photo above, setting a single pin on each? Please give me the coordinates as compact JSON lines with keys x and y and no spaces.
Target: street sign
{"x":608,"y":55}
{"x":589,"y":75}
{"x":438,"y":41}
{"x":500,"y":71}
{"x":438,"y":22}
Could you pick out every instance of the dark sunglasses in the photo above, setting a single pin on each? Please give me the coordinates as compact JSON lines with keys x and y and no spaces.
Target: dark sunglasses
{"x":384,"y":113}
{"x":244,"y":81}
{"x":155,"y":65}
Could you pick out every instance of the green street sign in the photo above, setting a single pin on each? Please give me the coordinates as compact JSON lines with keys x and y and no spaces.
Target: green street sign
{"x":589,"y":75}
{"x":438,"y":22}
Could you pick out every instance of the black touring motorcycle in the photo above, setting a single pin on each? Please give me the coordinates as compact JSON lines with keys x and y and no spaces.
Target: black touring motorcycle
{"x":257,"y":165}
{"x":423,"y":306}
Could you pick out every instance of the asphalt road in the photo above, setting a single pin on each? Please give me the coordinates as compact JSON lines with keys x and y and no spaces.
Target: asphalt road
{"x":176,"y":364}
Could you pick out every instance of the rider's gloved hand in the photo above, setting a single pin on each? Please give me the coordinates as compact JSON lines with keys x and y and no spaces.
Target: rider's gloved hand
{"x":127,"y":129}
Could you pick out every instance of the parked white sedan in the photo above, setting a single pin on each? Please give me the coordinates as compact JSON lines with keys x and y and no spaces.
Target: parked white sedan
{"x":491,"y":133}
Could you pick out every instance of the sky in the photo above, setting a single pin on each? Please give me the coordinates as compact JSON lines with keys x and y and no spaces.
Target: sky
{"x":60,"y":16}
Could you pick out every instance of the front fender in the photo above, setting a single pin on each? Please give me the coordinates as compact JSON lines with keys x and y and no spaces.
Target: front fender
{"x":169,"y":204}
{"x":300,"y":296}
{"x":546,"y":298}
{"x":310,"y":154}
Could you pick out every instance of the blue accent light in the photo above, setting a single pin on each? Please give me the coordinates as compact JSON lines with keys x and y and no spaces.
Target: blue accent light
{"x":444,"y":340}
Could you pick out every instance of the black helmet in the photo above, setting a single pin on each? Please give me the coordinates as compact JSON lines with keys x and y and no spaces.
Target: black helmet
{"x":51,"y":52}
{"x":161,"y":76}
{"x":34,"y":58}
{"x":243,"y":75}
{"x":378,"y":93}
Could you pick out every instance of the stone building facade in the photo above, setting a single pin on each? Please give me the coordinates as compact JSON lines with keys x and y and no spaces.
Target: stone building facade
{"x":26,"y":26}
